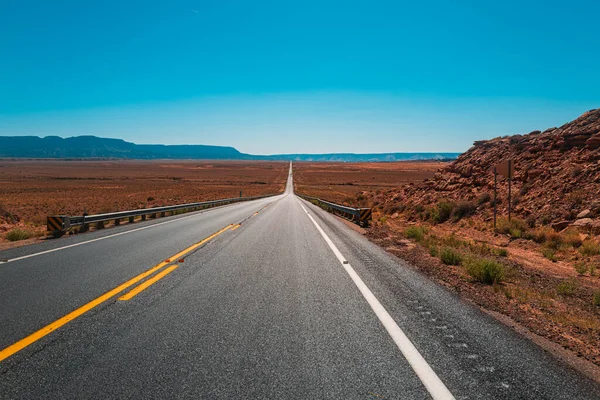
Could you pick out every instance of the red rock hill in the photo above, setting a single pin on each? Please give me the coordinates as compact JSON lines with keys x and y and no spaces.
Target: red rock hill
{"x":557,"y":174}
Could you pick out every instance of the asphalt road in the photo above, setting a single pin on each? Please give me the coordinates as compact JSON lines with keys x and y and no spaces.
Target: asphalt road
{"x":290,"y":304}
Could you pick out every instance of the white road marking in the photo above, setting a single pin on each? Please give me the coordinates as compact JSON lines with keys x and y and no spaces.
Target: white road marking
{"x":104,"y":237}
{"x":428,"y":377}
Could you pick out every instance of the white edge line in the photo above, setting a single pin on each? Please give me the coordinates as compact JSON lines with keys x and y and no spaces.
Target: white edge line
{"x":426,"y":374}
{"x":104,"y":237}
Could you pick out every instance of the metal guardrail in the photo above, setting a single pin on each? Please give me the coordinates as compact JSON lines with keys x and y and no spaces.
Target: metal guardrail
{"x":60,"y":224}
{"x":360,"y":216}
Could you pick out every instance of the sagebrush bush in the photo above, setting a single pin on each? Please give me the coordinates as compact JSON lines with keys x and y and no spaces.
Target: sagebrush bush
{"x":596,"y":299}
{"x":567,"y":287}
{"x":516,"y":227}
{"x":463,"y":209}
{"x":442,"y":212}
{"x":415,"y":232}
{"x":590,"y":248}
{"x":545,"y":234}
{"x":549,"y":253}
{"x":571,"y":237}
{"x":18,"y":234}
{"x":450,"y":256}
{"x":485,"y":270}
{"x":580,"y":267}
{"x":500,"y":252}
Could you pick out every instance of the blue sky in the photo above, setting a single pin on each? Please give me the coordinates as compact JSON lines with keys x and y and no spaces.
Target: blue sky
{"x":286,"y":77}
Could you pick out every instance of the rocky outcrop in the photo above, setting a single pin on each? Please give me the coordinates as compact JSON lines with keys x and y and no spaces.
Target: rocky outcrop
{"x":557,"y":174}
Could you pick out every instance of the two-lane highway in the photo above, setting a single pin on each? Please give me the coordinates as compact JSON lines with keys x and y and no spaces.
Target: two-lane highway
{"x":272,"y":298}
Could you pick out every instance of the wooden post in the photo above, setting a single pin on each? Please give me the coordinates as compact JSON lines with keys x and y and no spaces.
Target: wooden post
{"x":509,"y":179}
{"x":495,"y":197}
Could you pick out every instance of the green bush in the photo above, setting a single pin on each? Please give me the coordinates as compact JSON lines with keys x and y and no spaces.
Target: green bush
{"x":433,"y":251}
{"x":442,"y":212}
{"x":485,"y":270}
{"x":596,"y":299}
{"x":550,"y":254}
{"x":567,"y":287}
{"x":18,"y":234}
{"x":450,"y":256}
{"x":516,"y":227}
{"x":463,"y":209}
{"x":415,"y":232}
{"x":500,"y":252}
{"x":580,"y":267}
{"x":590,"y":248}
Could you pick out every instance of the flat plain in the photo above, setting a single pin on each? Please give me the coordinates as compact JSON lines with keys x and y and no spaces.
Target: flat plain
{"x":344,"y":182}
{"x":30,"y":190}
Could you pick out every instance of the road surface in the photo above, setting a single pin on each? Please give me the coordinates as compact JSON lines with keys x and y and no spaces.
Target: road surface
{"x":272,"y":298}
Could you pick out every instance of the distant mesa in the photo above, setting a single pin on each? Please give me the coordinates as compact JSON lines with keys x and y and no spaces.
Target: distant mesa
{"x":103,"y":148}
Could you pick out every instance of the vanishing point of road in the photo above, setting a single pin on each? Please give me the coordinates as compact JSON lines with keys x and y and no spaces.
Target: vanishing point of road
{"x":267,"y":299}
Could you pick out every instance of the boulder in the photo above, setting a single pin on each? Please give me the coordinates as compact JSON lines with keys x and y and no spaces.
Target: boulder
{"x":584,"y":214}
{"x":561,"y":225}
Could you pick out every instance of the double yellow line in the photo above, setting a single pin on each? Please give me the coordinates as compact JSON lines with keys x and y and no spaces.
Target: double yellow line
{"x":21,"y":344}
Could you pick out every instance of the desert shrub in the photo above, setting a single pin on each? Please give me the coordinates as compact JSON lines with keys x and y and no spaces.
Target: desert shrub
{"x":485,"y":270}
{"x":545,"y":234}
{"x":383,"y":219}
{"x":442,"y":212}
{"x":450,"y":256}
{"x":571,"y":237}
{"x":453,"y":241}
{"x":550,"y":254}
{"x":580,"y":267}
{"x":18,"y":234}
{"x":590,"y":248}
{"x":567,"y":287}
{"x":419,"y":208}
{"x":484,"y":198}
{"x":480,"y":248}
{"x":515,"y":201}
{"x":592,"y":269}
{"x":433,"y":251}
{"x":596,"y":299}
{"x":415,"y":232}
{"x":150,"y":198}
{"x":500,"y":252}
{"x":463,"y":209}
{"x":516,"y":227}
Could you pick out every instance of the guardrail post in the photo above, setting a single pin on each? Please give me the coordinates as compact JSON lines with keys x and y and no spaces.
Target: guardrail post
{"x":144,"y":217}
{"x":163,"y":214}
{"x":117,"y":221}
{"x":131,"y":219}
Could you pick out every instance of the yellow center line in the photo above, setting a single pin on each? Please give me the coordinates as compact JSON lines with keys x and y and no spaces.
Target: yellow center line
{"x":34,"y":337}
{"x":235,"y":227}
{"x":142,"y":286}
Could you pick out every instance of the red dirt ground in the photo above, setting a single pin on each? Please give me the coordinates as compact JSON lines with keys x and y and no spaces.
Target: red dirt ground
{"x":30,"y":190}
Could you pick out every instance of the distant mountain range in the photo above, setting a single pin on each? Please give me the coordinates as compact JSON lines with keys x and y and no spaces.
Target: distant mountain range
{"x":95,"y":147}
